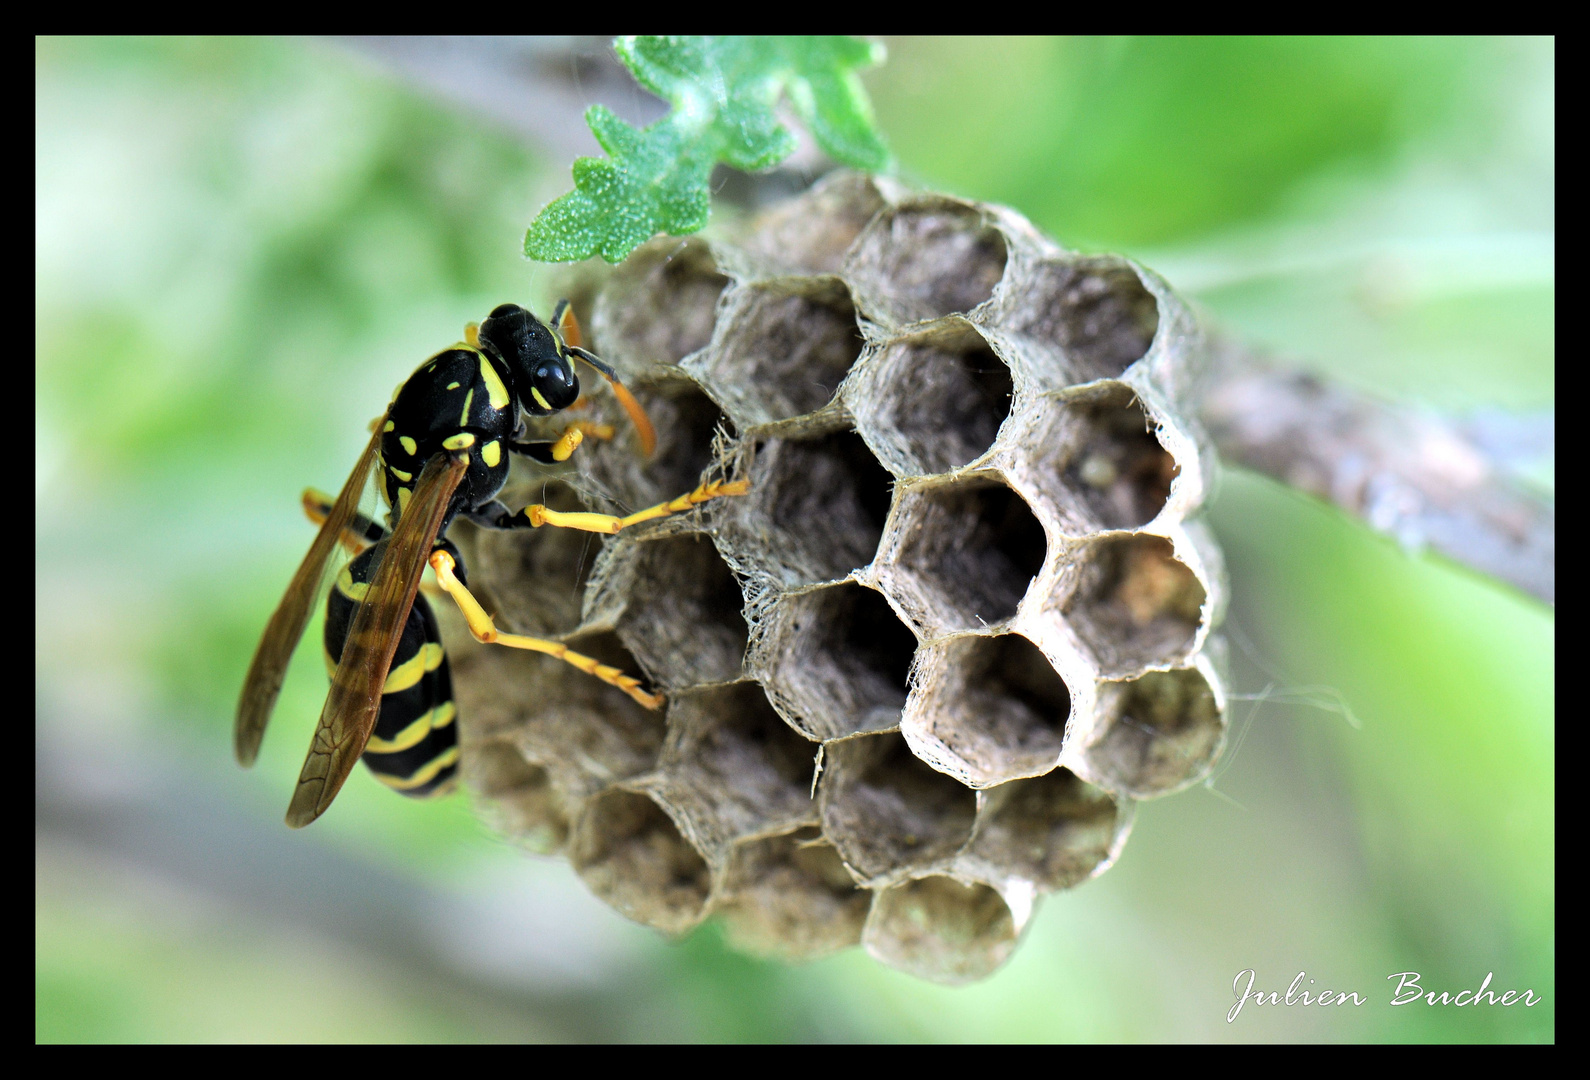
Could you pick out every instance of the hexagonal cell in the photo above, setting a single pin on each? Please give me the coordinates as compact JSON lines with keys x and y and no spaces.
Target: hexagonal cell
{"x":784,"y":347}
{"x":987,"y":710}
{"x":585,"y":733}
{"x":687,"y":423}
{"x":1134,"y":605}
{"x":960,"y":556}
{"x":816,"y":508}
{"x":811,"y":234}
{"x":930,"y":258}
{"x":520,"y":795}
{"x":791,"y":897}
{"x":630,"y":854}
{"x":1159,"y":733}
{"x":836,"y":660}
{"x":1097,"y":456}
{"x":935,"y":399}
{"x":941,"y":929}
{"x":537,"y":577}
{"x":1096,"y":310}
{"x":887,"y":812}
{"x":733,"y":769}
{"x":659,"y":306}
{"x":682,"y":615}
{"x":1055,"y":831}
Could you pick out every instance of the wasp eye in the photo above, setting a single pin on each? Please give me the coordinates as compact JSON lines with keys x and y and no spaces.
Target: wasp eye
{"x":556,"y":383}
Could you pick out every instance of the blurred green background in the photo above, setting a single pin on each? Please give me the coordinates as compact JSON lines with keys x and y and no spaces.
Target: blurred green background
{"x":242,"y":245}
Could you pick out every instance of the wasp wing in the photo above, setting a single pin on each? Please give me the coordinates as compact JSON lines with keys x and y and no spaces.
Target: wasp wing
{"x":355,"y":699}
{"x":286,"y":626}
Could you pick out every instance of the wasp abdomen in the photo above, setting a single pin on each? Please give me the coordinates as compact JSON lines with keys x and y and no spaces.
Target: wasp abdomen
{"x":414,"y":747}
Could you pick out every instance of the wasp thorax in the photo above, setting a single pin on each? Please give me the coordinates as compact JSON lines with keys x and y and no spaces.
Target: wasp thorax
{"x":919,"y":672}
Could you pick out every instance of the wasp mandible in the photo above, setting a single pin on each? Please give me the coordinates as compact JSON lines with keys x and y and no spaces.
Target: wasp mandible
{"x":442,"y":449}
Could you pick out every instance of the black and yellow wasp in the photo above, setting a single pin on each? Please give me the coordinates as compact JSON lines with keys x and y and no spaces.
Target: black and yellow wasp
{"x":443,"y":447}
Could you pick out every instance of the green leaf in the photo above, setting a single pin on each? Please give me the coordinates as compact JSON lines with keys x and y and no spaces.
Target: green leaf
{"x":725,"y":92}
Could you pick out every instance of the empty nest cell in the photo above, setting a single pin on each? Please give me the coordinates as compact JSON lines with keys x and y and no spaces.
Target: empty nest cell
{"x":941,"y":929}
{"x":1134,"y":605}
{"x":583,"y":732}
{"x":966,"y":552}
{"x":791,"y":897}
{"x":521,"y":795}
{"x":687,"y":422}
{"x":629,"y":853}
{"x":733,"y":768}
{"x":682,"y":617}
{"x":660,"y":305}
{"x":1095,"y":310}
{"x":786,"y":346}
{"x":939,"y":396}
{"x":988,"y":710}
{"x":1160,"y":732}
{"x":823,"y":504}
{"x":1100,"y":458}
{"x":537,"y":577}
{"x":886,"y":811}
{"x":812,"y":233}
{"x":926,"y":260}
{"x":1055,"y":831}
{"x":586,"y":733}
{"x":838,"y":660}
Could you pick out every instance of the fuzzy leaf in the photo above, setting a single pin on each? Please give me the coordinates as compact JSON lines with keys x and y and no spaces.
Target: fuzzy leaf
{"x":725,"y":92}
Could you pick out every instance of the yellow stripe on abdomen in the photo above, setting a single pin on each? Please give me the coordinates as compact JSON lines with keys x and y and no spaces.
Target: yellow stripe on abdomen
{"x":408,"y":673}
{"x":353,"y":590}
{"x":424,"y":774}
{"x":440,"y":716}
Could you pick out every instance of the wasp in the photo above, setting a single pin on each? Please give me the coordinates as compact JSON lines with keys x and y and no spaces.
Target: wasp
{"x":440,"y":450}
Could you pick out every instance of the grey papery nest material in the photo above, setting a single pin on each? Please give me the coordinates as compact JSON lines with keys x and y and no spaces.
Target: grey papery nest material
{"x":918,"y":675}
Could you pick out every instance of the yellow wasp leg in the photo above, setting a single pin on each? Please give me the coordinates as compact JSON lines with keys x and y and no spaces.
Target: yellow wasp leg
{"x":567,"y":443}
{"x":538,"y":515}
{"x":592,"y":430}
{"x":486,"y":632}
{"x":573,"y":435}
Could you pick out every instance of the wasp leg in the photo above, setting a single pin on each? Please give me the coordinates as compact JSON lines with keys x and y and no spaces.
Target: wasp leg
{"x":486,"y":632}
{"x":560,"y":449}
{"x":359,"y":533}
{"x":591,"y":429}
{"x":496,"y":516}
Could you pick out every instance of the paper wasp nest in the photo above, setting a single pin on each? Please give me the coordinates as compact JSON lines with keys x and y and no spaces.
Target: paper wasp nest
{"x":918,"y":675}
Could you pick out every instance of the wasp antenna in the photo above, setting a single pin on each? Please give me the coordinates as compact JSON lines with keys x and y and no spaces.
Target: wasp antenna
{"x":637,"y":412}
{"x":567,"y":325}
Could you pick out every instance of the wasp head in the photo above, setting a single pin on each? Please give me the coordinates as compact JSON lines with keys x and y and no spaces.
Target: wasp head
{"x":542,"y":370}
